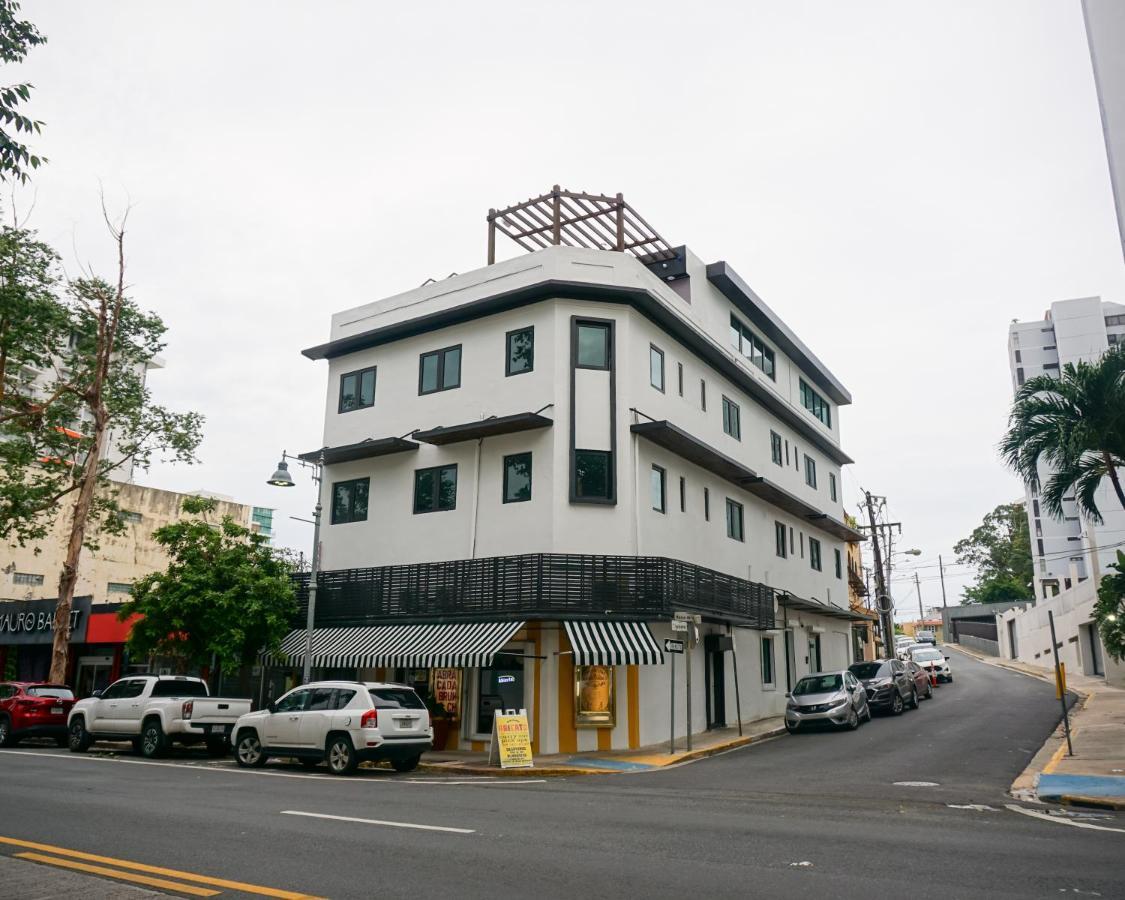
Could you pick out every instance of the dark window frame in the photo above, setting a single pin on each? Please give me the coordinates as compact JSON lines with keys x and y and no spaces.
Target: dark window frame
{"x":358,"y":375}
{"x":508,"y":373}
{"x":810,"y":472}
{"x":748,"y":339}
{"x":815,"y":560}
{"x":680,"y":377}
{"x":706,"y":505}
{"x":775,"y":447}
{"x":735,"y":506}
{"x":436,"y":507}
{"x":441,"y":355}
{"x":768,"y":676}
{"x":683,"y":494}
{"x":732,"y":418}
{"x":839,"y":561}
{"x":781,"y":545}
{"x":814,"y":403}
{"x":606,"y":328}
{"x":703,"y":394}
{"x":653,"y":349}
{"x":832,"y":494}
{"x":504,"y":487}
{"x":610,"y":497}
{"x":663,"y":473}
{"x":350,"y":483}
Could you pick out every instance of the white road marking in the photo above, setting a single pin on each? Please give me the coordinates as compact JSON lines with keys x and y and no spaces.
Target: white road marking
{"x":916,"y":784}
{"x":980,"y":807}
{"x":803,"y":864}
{"x":1047,"y":817}
{"x":384,"y":780}
{"x":312,"y":815}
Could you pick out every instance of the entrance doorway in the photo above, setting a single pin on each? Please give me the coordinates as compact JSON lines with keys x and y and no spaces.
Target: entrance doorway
{"x":814,"y":653}
{"x":92,"y":674}
{"x":715,"y":678}
{"x":790,"y":661}
{"x":498,"y":688}
{"x":1012,"y":639}
{"x":1095,"y":666}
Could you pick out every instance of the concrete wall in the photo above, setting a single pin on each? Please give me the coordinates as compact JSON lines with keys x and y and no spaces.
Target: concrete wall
{"x":982,"y":644}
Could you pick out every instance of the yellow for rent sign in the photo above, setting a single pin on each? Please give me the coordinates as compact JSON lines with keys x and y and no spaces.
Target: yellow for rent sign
{"x":511,"y":741}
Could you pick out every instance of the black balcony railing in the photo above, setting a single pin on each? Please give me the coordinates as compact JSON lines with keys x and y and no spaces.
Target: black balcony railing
{"x":534,"y":586}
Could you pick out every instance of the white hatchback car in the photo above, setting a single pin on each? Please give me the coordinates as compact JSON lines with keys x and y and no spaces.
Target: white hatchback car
{"x":341,"y":723}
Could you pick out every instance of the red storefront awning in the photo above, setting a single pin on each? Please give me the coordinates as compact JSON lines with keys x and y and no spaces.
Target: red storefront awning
{"x":106,"y":628}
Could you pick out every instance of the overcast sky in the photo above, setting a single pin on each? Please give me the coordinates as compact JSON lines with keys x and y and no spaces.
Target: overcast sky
{"x":898,"y":181}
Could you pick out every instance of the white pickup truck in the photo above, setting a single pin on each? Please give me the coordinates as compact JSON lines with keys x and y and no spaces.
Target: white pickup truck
{"x":153,"y":711}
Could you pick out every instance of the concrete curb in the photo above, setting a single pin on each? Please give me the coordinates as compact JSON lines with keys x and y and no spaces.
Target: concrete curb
{"x":1110,"y":803}
{"x":454,"y":768}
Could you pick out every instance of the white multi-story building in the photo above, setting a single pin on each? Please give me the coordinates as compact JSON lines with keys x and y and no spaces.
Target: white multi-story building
{"x":534,"y":466}
{"x":1071,"y":548}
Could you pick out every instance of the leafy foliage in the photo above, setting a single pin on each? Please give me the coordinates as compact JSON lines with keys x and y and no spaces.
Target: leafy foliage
{"x":1109,"y":611}
{"x":225,"y":592}
{"x":1075,"y":426}
{"x":17,"y":37}
{"x":1000,"y":551}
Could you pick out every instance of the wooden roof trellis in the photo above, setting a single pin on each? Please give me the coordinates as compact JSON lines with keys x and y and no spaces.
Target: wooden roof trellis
{"x":577,"y":219}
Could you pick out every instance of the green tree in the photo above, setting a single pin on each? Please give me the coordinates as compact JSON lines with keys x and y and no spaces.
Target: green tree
{"x":1109,"y":611}
{"x":225,"y":594}
{"x":1073,"y":425}
{"x":999,"y":549}
{"x":16,"y":38}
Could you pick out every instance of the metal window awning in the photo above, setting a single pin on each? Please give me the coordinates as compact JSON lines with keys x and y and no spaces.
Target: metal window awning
{"x":360,"y":450}
{"x":613,"y":644}
{"x":460,"y":645}
{"x":790,"y":601}
{"x":471,"y":431}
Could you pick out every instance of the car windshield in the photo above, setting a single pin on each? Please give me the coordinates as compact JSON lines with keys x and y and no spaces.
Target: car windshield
{"x":177,"y":688}
{"x":927,"y":654}
{"x":871,"y":670}
{"x":63,"y":693}
{"x":395,"y":698}
{"x":817,"y":684}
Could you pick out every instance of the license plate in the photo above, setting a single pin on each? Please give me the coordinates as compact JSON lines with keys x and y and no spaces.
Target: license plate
{"x":219,"y":729}
{"x":56,"y":710}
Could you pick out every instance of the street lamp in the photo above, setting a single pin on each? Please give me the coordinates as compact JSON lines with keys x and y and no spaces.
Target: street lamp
{"x":282,"y":478}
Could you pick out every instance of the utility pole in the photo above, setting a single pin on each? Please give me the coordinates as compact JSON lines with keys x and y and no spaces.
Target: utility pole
{"x":883,"y":601}
{"x":918,"y":590}
{"x":941,"y":571}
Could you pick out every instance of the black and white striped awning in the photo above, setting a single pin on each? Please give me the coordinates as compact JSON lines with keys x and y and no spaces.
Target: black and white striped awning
{"x":464,"y":645}
{"x":613,"y":644}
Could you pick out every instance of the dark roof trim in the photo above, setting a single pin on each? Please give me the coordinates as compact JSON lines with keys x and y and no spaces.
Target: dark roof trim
{"x":471,"y":431}
{"x":789,"y":601}
{"x":641,"y":299}
{"x":691,"y":448}
{"x":769,"y":323}
{"x":360,"y":450}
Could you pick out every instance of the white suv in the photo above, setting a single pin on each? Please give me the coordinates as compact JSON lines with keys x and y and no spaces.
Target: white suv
{"x":342,"y":723}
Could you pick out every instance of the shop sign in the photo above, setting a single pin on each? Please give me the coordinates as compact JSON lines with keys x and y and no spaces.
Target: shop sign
{"x":33,"y":621}
{"x":447,"y":688}
{"x":511,"y":741}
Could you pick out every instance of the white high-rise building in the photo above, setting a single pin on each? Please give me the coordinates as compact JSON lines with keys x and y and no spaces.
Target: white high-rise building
{"x":1073,"y":548}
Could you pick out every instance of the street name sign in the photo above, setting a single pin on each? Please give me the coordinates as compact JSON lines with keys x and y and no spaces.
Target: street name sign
{"x":679,"y":626}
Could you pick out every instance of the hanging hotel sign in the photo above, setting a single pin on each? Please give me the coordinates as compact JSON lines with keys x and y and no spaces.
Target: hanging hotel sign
{"x":511,"y":741}
{"x":33,"y":621}
{"x":447,"y":688}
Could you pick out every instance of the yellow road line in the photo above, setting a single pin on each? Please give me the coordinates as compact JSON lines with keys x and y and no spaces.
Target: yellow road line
{"x":1057,"y":756}
{"x":157,"y":870}
{"x":116,"y":873}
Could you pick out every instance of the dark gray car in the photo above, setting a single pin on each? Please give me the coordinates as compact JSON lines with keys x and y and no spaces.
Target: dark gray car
{"x":888,"y":683}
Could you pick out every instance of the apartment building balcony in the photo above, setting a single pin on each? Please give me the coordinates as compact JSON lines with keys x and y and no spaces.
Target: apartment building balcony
{"x":537,"y":586}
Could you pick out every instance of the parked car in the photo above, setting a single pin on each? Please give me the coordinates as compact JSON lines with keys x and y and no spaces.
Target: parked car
{"x":827,"y":698}
{"x":33,"y":709}
{"x":888,"y":683}
{"x":154,"y":711}
{"x":933,"y":661}
{"x":922,"y":683}
{"x":904,"y":650}
{"x":341,"y":723}
{"x":925,"y":637}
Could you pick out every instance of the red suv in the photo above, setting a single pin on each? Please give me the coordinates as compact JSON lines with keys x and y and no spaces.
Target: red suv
{"x":33,"y":709}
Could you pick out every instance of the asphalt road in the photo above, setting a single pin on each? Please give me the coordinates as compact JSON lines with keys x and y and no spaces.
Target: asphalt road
{"x":808,"y":815}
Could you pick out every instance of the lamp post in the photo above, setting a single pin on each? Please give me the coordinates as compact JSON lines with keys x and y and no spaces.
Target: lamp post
{"x":282,"y":478}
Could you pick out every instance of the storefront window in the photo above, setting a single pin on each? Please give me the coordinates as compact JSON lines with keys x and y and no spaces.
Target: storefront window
{"x":595,"y":703}
{"x":499,"y":688}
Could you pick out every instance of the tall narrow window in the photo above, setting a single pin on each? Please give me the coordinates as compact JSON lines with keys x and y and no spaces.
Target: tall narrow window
{"x":787,"y":453}
{"x":810,"y":471}
{"x":832,"y":486}
{"x":592,"y":350}
{"x":734,"y":520}
{"x":683,"y":494}
{"x":517,"y":478}
{"x":435,"y":489}
{"x":657,"y":484}
{"x":521,"y":351}
{"x":703,"y":395}
{"x":706,"y":505}
{"x":593,"y":475}
{"x":779,"y":539}
{"x":767,"y":660}
{"x":680,"y":377}
{"x":349,"y":501}
{"x":839,"y":563}
{"x":732,"y":423}
{"x":357,"y":390}
{"x":814,"y":553}
{"x":792,"y":545}
{"x":656,"y":367}
{"x":439,"y":370}
{"x":775,"y":447}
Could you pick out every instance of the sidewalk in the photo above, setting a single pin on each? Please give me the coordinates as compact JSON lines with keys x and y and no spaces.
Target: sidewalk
{"x":1095,"y":774}
{"x":608,"y":762}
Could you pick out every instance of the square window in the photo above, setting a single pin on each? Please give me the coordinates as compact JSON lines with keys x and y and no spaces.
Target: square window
{"x":592,"y":345}
{"x":517,"y":478}
{"x":593,"y":475}
{"x":656,"y":368}
{"x":439,"y":370}
{"x":435,"y":489}
{"x":349,"y":501}
{"x":521,"y":351}
{"x":734,"y":520}
{"x":732,"y":423}
{"x":357,"y":390}
{"x":779,"y":539}
{"x":814,"y":553}
{"x":810,"y":471}
{"x":775,"y":447}
{"x":656,"y":487}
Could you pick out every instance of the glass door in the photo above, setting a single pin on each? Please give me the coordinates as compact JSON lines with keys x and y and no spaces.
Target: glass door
{"x":92,"y":674}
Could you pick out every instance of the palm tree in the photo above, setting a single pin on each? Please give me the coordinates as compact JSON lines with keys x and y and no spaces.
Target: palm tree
{"x":1075,"y":426}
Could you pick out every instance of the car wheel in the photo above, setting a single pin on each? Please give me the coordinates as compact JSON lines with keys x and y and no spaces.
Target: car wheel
{"x":78,"y":738}
{"x":406,"y":765}
{"x":217,"y":747}
{"x":897,"y":706}
{"x":6,"y":739}
{"x":152,"y":739}
{"x":248,"y":751}
{"x":853,"y":719}
{"x":791,"y":728}
{"x":914,"y":698}
{"x":341,"y":755}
